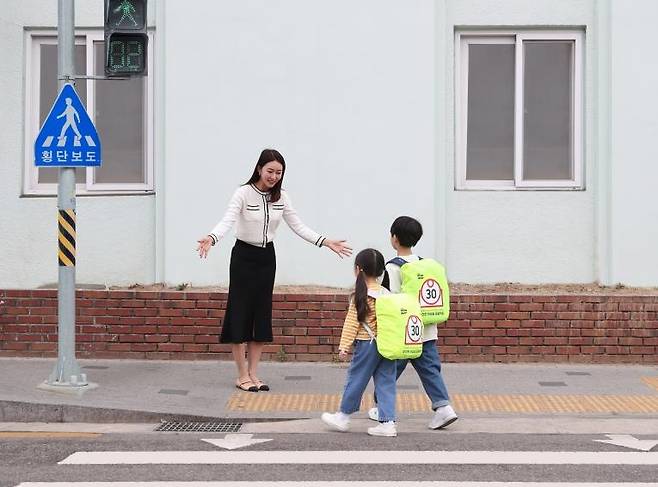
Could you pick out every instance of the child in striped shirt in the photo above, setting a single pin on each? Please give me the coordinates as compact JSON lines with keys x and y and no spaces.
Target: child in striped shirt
{"x":366,"y":360}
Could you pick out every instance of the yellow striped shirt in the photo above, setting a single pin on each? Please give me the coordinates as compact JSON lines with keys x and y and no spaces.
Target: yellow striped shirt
{"x":352,"y":329}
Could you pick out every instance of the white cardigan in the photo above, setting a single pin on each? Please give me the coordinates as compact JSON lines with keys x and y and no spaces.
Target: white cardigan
{"x":258,"y":218}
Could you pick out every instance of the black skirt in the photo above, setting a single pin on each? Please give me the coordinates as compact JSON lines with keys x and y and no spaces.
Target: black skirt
{"x":248,"y":316}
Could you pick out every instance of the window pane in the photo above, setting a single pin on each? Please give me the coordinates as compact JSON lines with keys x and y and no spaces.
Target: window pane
{"x":48,"y":91}
{"x":548,"y":110}
{"x":120,"y":124}
{"x":490,"y":131}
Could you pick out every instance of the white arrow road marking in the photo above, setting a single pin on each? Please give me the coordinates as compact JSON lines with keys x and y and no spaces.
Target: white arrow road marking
{"x":629,"y":441}
{"x":361,"y":457}
{"x":233,"y":441}
{"x":338,"y":484}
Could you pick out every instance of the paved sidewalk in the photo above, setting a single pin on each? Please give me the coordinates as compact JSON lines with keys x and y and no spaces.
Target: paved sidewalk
{"x":146,"y":391}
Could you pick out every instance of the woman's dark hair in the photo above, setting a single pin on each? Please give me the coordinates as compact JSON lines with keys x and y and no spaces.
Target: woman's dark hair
{"x":371,"y":264}
{"x":408,"y":230}
{"x":269,"y":155}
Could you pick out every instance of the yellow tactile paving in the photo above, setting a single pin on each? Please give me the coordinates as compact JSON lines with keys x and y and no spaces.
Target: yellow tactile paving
{"x":487,"y":403}
{"x":651,"y":382}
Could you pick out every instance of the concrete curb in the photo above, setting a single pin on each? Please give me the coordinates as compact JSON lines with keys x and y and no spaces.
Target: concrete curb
{"x":27,"y":412}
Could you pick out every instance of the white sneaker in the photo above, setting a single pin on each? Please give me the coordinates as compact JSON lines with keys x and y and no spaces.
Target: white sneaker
{"x":337,"y":421}
{"x":384,"y":429}
{"x":373,"y":413}
{"x":443,"y":416}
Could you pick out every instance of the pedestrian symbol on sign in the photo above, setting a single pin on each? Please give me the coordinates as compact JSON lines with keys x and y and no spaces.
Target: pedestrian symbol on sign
{"x":71,"y":115}
{"x":68,"y":137}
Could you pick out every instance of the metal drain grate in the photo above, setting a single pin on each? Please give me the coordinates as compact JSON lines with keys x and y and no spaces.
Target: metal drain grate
{"x":192,"y":427}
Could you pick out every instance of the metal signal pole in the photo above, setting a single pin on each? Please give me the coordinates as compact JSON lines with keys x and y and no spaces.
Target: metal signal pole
{"x":66,"y":375}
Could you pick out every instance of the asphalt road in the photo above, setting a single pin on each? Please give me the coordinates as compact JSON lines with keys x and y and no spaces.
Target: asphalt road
{"x":35,"y":458}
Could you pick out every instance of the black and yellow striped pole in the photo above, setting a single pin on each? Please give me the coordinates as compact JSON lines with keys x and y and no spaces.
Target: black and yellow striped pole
{"x":66,"y":238}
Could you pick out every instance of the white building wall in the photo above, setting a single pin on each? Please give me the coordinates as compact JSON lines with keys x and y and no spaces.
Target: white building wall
{"x":518,"y":236}
{"x":359,"y":98}
{"x":115,"y":233}
{"x":352,"y":93}
{"x":634,"y":155}
{"x":344,"y":89}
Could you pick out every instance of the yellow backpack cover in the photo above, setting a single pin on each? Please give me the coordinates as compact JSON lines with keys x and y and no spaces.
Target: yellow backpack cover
{"x":426,"y":280}
{"x":399,"y":325}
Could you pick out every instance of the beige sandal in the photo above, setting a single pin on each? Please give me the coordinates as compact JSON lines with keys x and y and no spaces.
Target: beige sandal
{"x":246,"y":385}
{"x":261,"y":386}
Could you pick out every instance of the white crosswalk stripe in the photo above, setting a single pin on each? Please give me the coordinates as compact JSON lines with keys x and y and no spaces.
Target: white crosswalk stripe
{"x":337,"y":484}
{"x":362,"y":458}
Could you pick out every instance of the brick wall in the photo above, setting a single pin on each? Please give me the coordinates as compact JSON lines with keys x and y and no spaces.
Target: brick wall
{"x":482,"y":328}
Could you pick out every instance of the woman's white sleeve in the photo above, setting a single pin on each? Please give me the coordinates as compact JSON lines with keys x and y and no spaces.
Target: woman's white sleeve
{"x":230,"y":217}
{"x":296,"y":224}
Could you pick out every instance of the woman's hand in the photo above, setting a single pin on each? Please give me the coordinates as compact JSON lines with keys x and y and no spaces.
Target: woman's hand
{"x":204,"y":246}
{"x":342,"y":355}
{"x":338,"y":246}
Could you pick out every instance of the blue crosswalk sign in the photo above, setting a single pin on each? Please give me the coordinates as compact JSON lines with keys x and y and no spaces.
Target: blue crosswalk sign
{"x":68,"y":137}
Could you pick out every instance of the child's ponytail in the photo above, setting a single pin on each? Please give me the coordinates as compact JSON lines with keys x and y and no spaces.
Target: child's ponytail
{"x":370,"y":263}
{"x":361,"y":296}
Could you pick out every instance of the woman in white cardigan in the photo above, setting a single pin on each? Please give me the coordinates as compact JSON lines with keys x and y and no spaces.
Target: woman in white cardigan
{"x":257,"y":207}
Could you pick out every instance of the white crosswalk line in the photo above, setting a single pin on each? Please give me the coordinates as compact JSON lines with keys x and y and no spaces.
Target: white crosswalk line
{"x":48,"y":141}
{"x":61,"y":142}
{"x":338,"y":484}
{"x":362,"y":457}
{"x":90,"y":141}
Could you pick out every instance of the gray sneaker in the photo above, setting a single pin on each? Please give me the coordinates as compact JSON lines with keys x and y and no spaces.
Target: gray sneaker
{"x":443,"y":416}
{"x":373,"y":413}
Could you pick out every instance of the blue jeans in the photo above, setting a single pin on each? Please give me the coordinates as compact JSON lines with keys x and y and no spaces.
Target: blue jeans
{"x":367,"y":363}
{"x":428,"y":368}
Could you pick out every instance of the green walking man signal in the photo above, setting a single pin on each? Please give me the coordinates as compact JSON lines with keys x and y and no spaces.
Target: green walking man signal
{"x":126,"y":39}
{"x":127,"y":11}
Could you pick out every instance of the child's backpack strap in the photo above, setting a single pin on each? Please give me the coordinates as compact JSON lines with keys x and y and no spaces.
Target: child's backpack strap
{"x":399,"y":261}
{"x":386,"y":281}
{"x":374,"y":295}
{"x":368,"y":330}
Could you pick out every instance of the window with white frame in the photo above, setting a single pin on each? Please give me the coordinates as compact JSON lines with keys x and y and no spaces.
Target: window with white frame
{"x":519,"y":110}
{"x":120,"y":109}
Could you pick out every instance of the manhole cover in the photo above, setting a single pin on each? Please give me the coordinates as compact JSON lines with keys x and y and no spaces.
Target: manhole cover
{"x":192,"y":427}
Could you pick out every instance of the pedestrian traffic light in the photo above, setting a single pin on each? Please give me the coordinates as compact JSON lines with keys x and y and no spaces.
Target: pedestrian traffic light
{"x":126,"y":40}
